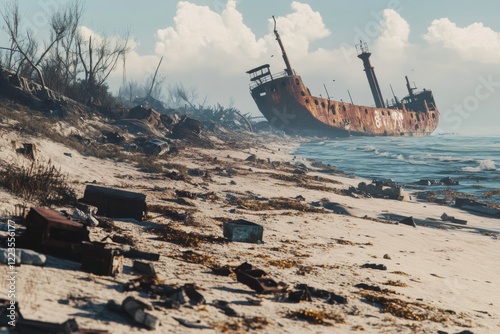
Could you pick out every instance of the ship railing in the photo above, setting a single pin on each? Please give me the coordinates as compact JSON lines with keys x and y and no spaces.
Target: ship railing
{"x":261,"y":81}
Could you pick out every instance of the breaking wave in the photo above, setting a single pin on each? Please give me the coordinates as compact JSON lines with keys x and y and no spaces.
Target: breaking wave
{"x":473,"y":161}
{"x":484,"y":165}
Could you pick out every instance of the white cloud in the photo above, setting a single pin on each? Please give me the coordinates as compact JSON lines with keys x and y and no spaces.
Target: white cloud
{"x":298,"y":29}
{"x":394,"y":32}
{"x":474,"y":42}
{"x":204,"y":38}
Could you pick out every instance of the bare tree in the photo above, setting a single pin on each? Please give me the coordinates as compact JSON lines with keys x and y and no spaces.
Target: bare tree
{"x":61,"y":64}
{"x":152,"y":86}
{"x":178,"y":96}
{"x":28,"y":51}
{"x":62,"y":23}
{"x":99,"y":56}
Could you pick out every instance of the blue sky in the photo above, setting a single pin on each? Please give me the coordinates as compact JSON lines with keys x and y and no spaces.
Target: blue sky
{"x":451,"y":47}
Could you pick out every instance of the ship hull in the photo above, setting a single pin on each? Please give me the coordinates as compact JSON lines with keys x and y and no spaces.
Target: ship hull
{"x":288,"y":105}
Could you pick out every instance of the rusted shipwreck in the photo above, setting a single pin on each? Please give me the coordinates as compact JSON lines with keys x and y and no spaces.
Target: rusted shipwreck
{"x":289,"y":105}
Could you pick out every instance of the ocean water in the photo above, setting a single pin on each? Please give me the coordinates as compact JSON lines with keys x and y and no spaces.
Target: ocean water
{"x":473,"y":161}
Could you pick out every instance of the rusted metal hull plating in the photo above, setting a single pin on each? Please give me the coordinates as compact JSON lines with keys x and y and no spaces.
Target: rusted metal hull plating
{"x":287,"y":104}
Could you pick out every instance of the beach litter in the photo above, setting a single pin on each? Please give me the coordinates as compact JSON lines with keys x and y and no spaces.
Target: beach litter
{"x":51,"y":233}
{"x":408,"y":221}
{"x":115,"y":203}
{"x":257,"y":280}
{"x":135,"y":309}
{"x":452,"y":219}
{"x":242,"y":230}
{"x":101,"y":259}
{"x":374,"y":266}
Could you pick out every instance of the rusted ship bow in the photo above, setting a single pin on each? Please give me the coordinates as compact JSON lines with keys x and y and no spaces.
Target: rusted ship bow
{"x":288,"y":105}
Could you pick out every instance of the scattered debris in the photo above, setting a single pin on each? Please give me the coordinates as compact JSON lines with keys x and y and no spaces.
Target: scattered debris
{"x":186,"y":239}
{"x":101,"y":259}
{"x":224,"y":307}
{"x":50,"y":232}
{"x":408,"y":221}
{"x":374,"y":266}
{"x":86,"y":218}
{"x":23,"y":256}
{"x":243,"y":231}
{"x":255,"y":279}
{"x":452,"y":219}
{"x":144,"y":268}
{"x":383,"y":189}
{"x":115,"y":203}
{"x":190,"y":324}
{"x":28,"y":149}
{"x":408,"y":310}
{"x":155,"y":147}
{"x":187,"y":128}
{"x":304,"y":292}
{"x":319,"y":317}
{"x":447,"y":181}
{"x":137,"y":254}
{"x":150,"y":115}
{"x":369,"y":287}
{"x":475,"y":206}
{"x":135,"y":309}
{"x":333,"y":206}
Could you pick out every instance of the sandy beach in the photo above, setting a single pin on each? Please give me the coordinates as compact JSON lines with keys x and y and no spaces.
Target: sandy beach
{"x":437,"y":277}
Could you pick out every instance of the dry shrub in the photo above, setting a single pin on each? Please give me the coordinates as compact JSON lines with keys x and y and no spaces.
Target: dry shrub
{"x":285,"y":263}
{"x":40,"y":183}
{"x":316,"y":317}
{"x":408,"y":310}
{"x":149,"y":165}
{"x":186,"y":239}
{"x":275,"y":204}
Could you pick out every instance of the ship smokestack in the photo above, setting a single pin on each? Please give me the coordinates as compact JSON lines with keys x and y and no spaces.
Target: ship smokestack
{"x":285,"y":57}
{"x":364,"y":55}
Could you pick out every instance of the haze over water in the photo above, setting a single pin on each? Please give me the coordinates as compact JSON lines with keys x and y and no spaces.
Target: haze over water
{"x":473,"y":161}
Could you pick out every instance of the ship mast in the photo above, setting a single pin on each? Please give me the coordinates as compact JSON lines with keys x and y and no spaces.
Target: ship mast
{"x":410,"y":89}
{"x":285,"y":57}
{"x":364,"y":55}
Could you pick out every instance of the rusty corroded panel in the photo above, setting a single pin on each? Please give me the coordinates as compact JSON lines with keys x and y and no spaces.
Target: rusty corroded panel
{"x":288,"y":105}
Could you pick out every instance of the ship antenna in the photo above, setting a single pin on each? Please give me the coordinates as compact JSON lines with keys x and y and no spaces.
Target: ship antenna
{"x":285,"y":57}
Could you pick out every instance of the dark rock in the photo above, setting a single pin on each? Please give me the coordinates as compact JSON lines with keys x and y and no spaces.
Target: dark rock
{"x":408,"y":221}
{"x":374,"y":266}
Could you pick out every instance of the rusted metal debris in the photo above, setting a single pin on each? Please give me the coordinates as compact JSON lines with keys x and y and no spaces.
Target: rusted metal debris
{"x":101,"y":259}
{"x":49,"y":231}
{"x":242,"y":230}
{"x":137,"y":254}
{"x":374,"y":266}
{"x":452,"y":219}
{"x":303,"y":292}
{"x":156,"y":147}
{"x":257,"y":280}
{"x":115,"y":203}
{"x":135,"y":309}
{"x":408,"y":221}
{"x":144,"y":268}
{"x":148,"y":114}
{"x":187,"y":128}
{"x":26,"y":326}
{"x":27,"y":149}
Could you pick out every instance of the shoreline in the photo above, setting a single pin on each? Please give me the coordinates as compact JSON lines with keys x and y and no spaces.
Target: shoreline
{"x":433,"y":271}
{"x":475,"y":182}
